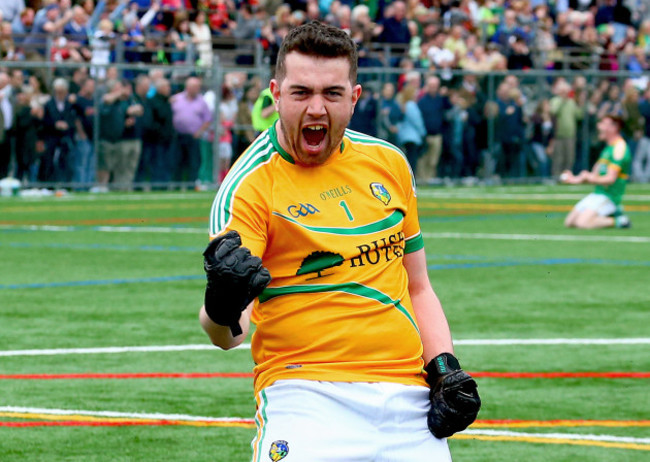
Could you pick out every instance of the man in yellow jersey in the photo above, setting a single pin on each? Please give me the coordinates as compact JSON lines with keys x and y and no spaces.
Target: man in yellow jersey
{"x":602,"y":208}
{"x":352,"y":349}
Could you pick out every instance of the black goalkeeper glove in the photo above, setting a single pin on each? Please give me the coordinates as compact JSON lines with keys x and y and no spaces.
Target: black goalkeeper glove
{"x":454,"y":397}
{"x":234,"y":279}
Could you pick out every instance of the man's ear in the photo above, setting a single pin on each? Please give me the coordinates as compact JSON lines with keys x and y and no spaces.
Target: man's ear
{"x":356,"y":94}
{"x":274,"y":86}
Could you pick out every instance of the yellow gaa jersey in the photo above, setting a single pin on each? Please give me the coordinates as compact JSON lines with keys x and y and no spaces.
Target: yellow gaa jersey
{"x":333,"y":237}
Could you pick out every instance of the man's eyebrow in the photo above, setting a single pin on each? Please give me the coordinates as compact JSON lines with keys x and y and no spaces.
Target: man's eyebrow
{"x":335,"y":88}
{"x":305,"y":88}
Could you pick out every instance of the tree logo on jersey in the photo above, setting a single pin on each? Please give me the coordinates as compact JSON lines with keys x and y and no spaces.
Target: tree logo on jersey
{"x":318,"y":261}
{"x":279,"y":450}
{"x":380,"y":192}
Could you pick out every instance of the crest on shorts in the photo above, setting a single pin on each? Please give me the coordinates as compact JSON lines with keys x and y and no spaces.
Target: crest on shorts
{"x":380,"y":192}
{"x":279,"y":450}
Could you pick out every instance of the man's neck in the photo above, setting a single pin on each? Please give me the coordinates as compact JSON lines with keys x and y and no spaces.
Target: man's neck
{"x":614,"y":139}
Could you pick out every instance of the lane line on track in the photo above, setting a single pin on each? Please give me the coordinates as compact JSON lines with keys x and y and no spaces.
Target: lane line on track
{"x":101,"y":282}
{"x":558,"y":423}
{"x":571,"y":436}
{"x":432,"y":267}
{"x":110,"y":229}
{"x":539,"y":237}
{"x":551,"y":440}
{"x":247,"y":346}
{"x":248,"y":375}
{"x":19,"y":412}
{"x":61,"y":417}
{"x":432,"y":194}
{"x":428,"y":235}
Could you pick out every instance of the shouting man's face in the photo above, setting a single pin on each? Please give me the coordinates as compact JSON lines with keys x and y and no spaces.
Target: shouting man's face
{"x":315,"y":100}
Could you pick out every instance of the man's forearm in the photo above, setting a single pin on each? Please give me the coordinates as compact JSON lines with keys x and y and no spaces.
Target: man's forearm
{"x":221,"y":336}
{"x":432,"y":322}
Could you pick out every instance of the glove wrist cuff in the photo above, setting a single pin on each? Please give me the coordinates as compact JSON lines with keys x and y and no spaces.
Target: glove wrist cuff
{"x":442,"y":364}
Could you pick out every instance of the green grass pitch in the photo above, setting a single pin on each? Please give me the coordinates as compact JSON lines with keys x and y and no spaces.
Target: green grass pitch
{"x":125,"y":270}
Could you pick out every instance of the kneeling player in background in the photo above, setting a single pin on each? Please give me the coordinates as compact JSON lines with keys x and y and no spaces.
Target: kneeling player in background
{"x":602,"y":208}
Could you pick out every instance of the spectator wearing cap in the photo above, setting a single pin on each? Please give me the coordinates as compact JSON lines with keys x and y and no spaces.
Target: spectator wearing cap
{"x":191,"y":118}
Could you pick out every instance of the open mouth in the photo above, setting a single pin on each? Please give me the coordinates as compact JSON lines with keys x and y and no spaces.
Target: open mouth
{"x":314,"y":134}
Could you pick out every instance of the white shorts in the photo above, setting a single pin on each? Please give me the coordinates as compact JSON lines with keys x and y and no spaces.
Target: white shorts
{"x":312,"y":421}
{"x":599,"y":203}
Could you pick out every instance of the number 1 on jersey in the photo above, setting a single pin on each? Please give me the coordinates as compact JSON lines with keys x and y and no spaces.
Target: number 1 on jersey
{"x":347,"y":210}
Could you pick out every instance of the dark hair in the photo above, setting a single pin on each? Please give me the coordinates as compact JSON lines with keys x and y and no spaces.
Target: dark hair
{"x":617,"y":119}
{"x":318,"y":40}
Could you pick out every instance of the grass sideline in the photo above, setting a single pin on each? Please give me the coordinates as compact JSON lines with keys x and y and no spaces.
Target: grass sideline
{"x":88,"y":271}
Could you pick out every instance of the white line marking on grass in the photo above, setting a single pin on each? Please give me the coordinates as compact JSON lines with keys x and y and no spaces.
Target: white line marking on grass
{"x":109,"y":229}
{"x":554,"y":341}
{"x":523,"y":196}
{"x":566,"y":436}
{"x":538,"y":237}
{"x":110,"y":350}
{"x":150,"y":196}
{"x":127,"y":415}
{"x":247,"y":346}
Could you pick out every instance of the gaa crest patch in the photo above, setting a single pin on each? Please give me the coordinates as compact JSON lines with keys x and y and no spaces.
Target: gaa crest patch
{"x":380,"y":192}
{"x":279,"y":450}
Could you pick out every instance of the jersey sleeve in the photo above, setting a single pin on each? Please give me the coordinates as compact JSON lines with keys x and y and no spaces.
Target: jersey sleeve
{"x":240,"y":205}
{"x":412,"y":233}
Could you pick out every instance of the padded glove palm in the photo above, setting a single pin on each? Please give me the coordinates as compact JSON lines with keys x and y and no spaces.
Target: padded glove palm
{"x":234,"y":279}
{"x":454,"y":396}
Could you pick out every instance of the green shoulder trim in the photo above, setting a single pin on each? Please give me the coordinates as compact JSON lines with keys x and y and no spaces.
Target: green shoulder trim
{"x":257,"y":154}
{"x":413,"y":244}
{"x":352,"y":288}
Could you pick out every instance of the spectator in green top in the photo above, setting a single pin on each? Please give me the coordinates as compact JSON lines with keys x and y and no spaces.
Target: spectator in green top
{"x":264,"y":113}
{"x":566,"y":113}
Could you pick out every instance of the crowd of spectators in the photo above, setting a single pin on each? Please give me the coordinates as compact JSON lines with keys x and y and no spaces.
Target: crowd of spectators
{"x":476,"y":35}
{"x":436,"y":104}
